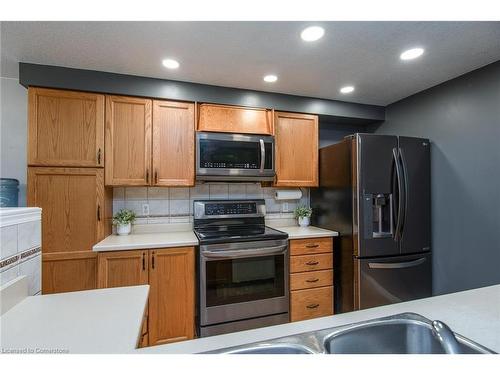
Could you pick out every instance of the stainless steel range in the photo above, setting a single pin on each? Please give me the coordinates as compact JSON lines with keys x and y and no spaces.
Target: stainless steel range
{"x":242,"y":267}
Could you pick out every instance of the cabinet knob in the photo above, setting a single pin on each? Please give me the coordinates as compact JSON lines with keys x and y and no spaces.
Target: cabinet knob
{"x":147,"y":175}
{"x":99,"y":156}
{"x":313,"y":306}
{"x":312,"y":245}
{"x":98,"y":213}
{"x":156,"y":176}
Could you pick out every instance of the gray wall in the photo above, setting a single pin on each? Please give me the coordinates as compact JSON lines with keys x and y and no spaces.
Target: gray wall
{"x":14,"y":133}
{"x":462,"y":119}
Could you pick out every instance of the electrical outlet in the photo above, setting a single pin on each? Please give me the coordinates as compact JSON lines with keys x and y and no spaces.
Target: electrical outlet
{"x":285,"y":206}
{"x":145,"y":209}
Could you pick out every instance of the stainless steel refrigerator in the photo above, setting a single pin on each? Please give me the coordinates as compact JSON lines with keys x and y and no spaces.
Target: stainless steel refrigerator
{"x":375,"y":191}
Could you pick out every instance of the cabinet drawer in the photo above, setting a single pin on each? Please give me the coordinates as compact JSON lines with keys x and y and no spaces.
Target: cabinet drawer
{"x":311,"y":246}
{"x":315,"y":279}
{"x":311,"y":303}
{"x":301,"y":263}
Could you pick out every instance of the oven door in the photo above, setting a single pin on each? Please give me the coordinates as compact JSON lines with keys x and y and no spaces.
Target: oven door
{"x":243,"y":280}
{"x":224,"y":156}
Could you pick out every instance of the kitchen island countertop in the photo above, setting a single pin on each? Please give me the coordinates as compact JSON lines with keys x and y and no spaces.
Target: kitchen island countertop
{"x":474,"y":314}
{"x":90,"y":321}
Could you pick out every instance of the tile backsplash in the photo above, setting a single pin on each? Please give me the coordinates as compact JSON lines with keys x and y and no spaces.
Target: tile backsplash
{"x":175,"y":205}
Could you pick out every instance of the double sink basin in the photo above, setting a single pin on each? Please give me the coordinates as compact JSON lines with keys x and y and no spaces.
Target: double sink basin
{"x":406,"y":333}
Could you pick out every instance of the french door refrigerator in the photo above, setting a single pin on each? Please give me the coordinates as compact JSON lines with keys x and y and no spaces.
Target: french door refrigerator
{"x":375,"y":191}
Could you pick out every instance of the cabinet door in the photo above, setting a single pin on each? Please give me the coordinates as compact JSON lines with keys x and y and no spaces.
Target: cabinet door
{"x":69,"y":272}
{"x":128,"y":141}
{"x":231,"y":119}
{"x":173,"y":143}
{"x":171,"y":298}
{"x":65,"y":128}
{"x":296,"y":149}
{"x":122,"y":268}
{"x":76,"y":209}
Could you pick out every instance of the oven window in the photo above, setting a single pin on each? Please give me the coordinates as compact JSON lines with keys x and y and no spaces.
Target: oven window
{"x":244,"y":280}
{"x":229,"y":154}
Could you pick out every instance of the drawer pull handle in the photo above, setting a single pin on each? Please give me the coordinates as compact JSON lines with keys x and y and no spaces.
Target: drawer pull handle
{"x":312,"y":245}
{"x":313,"y":280}
{"x":313,"y":306}
{"x":312,"y":263}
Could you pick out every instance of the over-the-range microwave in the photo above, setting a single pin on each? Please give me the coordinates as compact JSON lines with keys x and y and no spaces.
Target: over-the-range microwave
{"x":234,"y":157}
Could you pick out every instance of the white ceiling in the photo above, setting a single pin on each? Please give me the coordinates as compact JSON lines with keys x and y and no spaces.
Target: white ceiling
{"x":239,"y":54}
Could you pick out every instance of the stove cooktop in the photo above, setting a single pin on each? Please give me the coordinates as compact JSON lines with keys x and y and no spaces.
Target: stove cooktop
{"x":227,"y":234}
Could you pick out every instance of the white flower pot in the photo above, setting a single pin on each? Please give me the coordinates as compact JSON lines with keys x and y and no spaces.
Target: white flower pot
{"x":304,"y":221}
{"x":123,"y":229}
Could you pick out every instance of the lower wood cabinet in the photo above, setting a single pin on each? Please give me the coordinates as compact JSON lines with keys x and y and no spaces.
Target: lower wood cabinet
{"x":171,"y":275}
{"x":69,"y":271}
{"x":311,"y":278}
{"x":171,"y":298}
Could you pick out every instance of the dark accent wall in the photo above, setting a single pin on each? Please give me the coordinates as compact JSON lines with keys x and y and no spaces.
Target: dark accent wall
{"x":461,"y":117}
{"x":123,"y":84}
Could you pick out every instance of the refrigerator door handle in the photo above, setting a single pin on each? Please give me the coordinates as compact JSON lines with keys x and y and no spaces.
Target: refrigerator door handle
{"x":405,"y":187}
{"x":411,"y":263}
{"x":397,"y":231}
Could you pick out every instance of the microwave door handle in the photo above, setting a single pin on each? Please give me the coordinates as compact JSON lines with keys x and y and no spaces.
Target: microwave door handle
{"x":274,"y":250}
{"x":262,"y":154}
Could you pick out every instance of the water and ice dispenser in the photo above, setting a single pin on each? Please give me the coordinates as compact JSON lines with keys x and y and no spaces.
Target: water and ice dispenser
{"x":378,"y":221}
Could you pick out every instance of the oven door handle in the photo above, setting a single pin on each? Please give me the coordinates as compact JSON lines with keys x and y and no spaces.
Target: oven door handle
{"x":233,"y":254}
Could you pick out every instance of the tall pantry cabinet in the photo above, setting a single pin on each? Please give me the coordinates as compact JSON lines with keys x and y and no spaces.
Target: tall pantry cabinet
{"x":66,"y":179}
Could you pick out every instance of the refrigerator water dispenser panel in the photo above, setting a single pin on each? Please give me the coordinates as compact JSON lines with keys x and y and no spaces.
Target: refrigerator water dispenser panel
{"x":378,"y":221}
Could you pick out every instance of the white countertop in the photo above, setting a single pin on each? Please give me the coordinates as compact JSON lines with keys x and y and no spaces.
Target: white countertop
{"x":474,"y":314}
{"x":92,"y":321}
{"x":296,"y":232}
{"x":156,"y":236}
{"x":147,"y":241}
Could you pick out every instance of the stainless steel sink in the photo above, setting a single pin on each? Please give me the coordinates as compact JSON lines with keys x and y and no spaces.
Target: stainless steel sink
{"x":272,"y":349}
{"x":398,"y":334}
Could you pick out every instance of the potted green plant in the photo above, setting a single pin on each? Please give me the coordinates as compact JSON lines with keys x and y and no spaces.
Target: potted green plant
{"x":123,"y":220}
{"x":303,"y":214}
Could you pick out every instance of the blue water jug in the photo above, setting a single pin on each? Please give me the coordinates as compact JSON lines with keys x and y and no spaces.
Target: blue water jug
{"x":9,"y":192}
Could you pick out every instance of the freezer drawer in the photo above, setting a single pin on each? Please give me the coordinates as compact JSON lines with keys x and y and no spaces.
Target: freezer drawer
{"x":383,"y":281}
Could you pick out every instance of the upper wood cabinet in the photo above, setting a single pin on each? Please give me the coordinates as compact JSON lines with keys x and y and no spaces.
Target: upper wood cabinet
{"x":128,"y":140}
{"x":171,"y":297}
{"x":122,"y":268}
{"x":296,"y":137}
{"x":76,"y":208}
{"x":231,"y":119}
{"x":173,"y":143}
{"x":65,"y":128}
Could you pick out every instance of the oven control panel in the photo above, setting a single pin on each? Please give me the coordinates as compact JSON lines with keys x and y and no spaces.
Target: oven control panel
{"x":239,"y":208}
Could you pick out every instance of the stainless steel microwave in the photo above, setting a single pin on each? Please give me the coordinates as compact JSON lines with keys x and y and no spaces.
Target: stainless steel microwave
{"x":234,"y":157}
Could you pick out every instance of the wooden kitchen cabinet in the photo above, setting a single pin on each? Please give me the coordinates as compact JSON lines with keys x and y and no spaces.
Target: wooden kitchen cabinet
{"x":65,"y":128}
{"x":172,"y":296}
{"x":233,"y":119}
{"x":76,"y":208}
{"x":296,"y":137}
{"x":311,"y":278}
{"x":173,"y":143}
{"x":123,"y":268}
{"x":128,"y":140}
{"x":68,"y":271}
{"x":76,"y":214}
{"x":170,"y":273}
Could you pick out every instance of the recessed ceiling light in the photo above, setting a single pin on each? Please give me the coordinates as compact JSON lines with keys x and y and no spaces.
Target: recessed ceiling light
{"x":412,"y":54}
{"x":347,"y":89}
{"x":312,"y":33}
{"x":270,"y":78}
{"x":170,"y":63}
